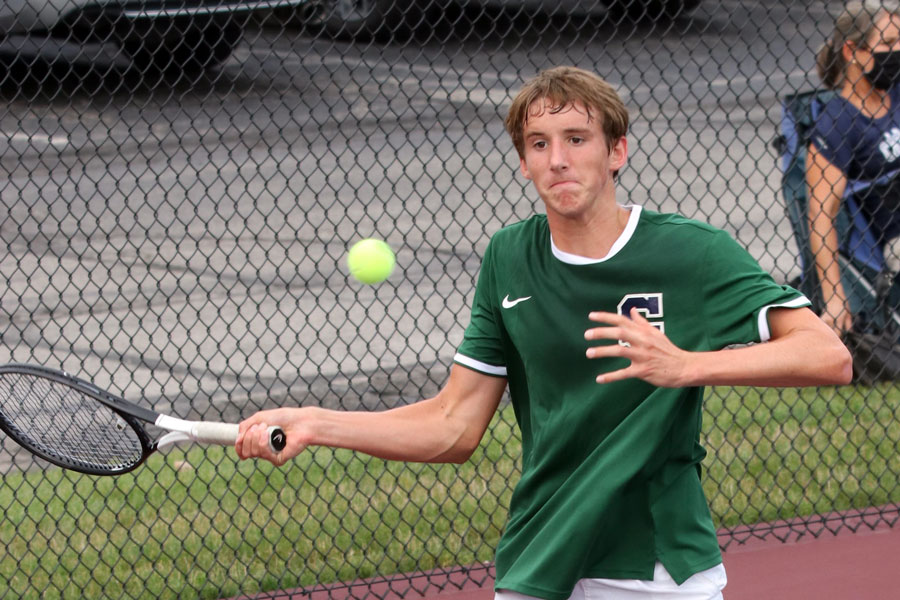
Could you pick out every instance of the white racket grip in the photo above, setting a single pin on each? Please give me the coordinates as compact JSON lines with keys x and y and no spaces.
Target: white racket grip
{"x":226,"y":434}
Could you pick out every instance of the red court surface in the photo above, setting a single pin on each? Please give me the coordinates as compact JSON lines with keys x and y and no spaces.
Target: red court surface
{"x":861,"y":565}
{"x":847,"y":566}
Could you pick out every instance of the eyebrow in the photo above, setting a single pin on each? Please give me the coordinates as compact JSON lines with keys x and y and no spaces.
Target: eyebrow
{"x":567,"y":131}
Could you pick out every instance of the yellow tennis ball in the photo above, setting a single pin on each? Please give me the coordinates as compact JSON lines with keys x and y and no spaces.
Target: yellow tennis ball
{"x":370,"y":261}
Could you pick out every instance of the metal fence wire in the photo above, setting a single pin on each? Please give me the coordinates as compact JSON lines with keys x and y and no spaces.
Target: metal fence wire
{"x":180,"y":182}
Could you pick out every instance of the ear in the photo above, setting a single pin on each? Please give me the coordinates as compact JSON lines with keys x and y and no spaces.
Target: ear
{"x":618,"y":155}
{"x":524,"y":168}
{"x":848,"y":51}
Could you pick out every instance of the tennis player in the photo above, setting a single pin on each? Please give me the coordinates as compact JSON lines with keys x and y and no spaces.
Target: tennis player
{"x":605,"y":321}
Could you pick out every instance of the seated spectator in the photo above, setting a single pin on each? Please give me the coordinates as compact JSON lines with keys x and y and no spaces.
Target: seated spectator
{"x":854,"y":155}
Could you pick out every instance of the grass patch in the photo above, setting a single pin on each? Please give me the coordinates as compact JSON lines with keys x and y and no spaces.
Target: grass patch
{"x":777,"y":454}
{"x":204,"y":525}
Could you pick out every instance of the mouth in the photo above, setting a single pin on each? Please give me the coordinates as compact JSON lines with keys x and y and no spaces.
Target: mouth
{"x":564,"y":182}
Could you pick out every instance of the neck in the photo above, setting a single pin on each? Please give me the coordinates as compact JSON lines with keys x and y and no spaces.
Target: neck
{"x":591,"y":237}
{"x":860,"y":93}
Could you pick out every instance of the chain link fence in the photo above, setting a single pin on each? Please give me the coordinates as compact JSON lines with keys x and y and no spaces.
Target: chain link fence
{"x":181,"y":179}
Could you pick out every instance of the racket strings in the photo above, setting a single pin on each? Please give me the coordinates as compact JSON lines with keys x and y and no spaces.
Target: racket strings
{"x":60,"y":422}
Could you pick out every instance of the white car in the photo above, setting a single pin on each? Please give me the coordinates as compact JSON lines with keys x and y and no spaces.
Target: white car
{"x":163,"y":35}
{"x":385,"y":18}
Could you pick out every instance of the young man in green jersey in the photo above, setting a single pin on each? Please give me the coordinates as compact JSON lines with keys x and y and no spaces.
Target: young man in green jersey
{"x":605,"y":321}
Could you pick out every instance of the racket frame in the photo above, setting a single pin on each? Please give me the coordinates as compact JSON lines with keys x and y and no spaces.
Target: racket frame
{"x":179,"y":429}
{"x":131,"y":414}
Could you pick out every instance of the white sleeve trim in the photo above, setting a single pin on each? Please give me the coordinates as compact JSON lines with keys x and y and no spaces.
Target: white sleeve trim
{"x":764,"y":333}
{"x":479,"y":366}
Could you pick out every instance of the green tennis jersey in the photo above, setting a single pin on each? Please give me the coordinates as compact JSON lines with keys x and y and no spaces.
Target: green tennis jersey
{"x":610,"y":473}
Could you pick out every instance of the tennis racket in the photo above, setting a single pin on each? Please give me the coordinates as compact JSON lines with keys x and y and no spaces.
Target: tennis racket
{"x":76,"y":425}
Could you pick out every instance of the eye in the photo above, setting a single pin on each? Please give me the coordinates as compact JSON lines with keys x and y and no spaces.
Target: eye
{"x":576,"y":140}
{"x":539,"y":144}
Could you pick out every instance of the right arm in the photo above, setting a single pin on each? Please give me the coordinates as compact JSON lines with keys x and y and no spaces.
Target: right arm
{"x":826,"y":184}
{"x":445,"y":428}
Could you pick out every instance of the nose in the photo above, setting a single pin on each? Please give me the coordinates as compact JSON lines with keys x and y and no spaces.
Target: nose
{"x":559,"y":157}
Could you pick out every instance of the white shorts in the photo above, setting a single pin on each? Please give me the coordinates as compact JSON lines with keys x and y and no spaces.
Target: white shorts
{"x":705,"y":585}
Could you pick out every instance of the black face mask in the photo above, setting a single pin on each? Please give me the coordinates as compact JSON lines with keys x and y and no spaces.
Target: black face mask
{"x":885,"y":71}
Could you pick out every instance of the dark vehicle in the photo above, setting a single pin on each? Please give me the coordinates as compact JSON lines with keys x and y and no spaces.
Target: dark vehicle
{"x":159,"y":35}
{"x":383,"y":18}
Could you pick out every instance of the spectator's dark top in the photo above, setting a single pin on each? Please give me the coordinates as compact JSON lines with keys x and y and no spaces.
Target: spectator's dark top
{"x":868,"y":152}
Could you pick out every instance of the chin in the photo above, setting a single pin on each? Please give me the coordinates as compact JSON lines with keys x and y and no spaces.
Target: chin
{"x":566,"y":211}
{"x":562,"y":199}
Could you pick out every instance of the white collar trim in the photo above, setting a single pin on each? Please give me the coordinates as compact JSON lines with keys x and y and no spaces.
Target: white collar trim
{"x":574,"y":259}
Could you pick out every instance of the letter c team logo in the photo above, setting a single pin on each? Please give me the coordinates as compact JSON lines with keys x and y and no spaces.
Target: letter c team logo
{"x":649,"y":305}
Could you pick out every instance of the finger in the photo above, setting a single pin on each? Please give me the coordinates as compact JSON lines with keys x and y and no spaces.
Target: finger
{"x":604,"y":333}
{"x":609,"y":351}
{"x":847,"y":322}
{"x":239,"y":445}
{"x":263,"y":416}
{"x":831,"y":322}
{"x":245,"y":425}
{"x":261,"y":441}
{"x":617,"y":325}
{"x":253,"y":437}
{"x":637,"y":317}
{"x":600,"y":316}
{"x":618,"y":375}
{"x":244,"y":443}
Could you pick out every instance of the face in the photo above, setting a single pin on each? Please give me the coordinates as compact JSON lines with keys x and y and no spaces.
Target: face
{"x":884,"y":38}
{"x":569,"y":160}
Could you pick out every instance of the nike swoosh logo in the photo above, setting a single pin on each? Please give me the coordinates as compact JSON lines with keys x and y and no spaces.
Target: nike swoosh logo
{"x":507,"y":303}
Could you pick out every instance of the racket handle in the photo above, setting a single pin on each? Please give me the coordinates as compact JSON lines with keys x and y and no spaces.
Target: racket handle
{"x":226,"y":434}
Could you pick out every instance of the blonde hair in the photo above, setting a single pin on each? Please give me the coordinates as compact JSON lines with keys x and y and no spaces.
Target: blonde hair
{"x":855,"y":24}
{"x":561,"y":87}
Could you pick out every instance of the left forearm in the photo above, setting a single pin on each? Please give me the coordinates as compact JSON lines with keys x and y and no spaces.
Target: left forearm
{"x":800,"y":359}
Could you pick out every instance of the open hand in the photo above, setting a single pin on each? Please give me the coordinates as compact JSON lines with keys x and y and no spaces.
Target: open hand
{"x":654,"y":358}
